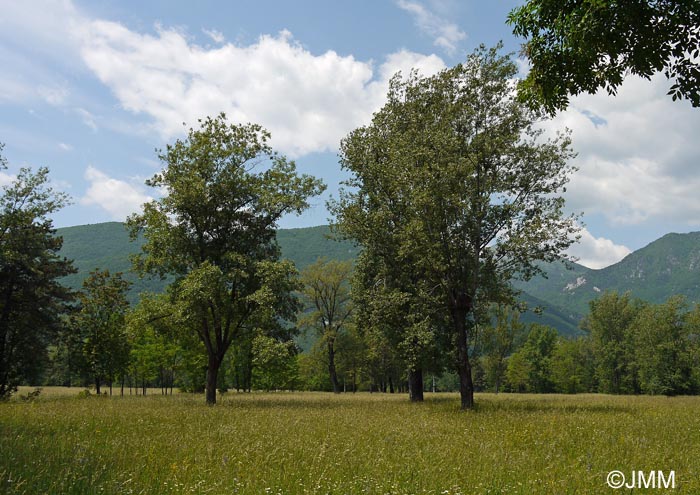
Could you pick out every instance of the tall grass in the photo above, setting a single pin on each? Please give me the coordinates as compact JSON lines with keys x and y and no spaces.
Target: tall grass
{"x":317,"y":443}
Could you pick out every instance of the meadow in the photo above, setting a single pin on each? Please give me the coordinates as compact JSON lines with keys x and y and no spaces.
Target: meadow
{"x":318,"y":443}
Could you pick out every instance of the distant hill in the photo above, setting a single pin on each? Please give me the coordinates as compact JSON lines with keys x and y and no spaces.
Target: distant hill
{"x":107,"y":246}
{"x":667,"y":266}
{"x":670,"y":265}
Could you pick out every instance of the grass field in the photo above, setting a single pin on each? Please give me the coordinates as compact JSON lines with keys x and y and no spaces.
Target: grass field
{"x":317,"y":443}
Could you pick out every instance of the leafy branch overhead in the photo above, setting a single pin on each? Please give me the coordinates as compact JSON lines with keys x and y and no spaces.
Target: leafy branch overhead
{"x":577,"y":47}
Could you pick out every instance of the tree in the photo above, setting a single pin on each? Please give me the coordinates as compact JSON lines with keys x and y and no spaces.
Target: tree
{"x":31,"y":298}
{"x":454,"y":168}
{"x":390,"y":314}
{"x":576,"y":47}
{"x":327,"y":292}
{"x":499,"y":340}
{"x":274,"y":364}
{"x":665,"y":348}
{"x":573,"y":366}
{"x":214,"y":231}
{"x":538,"y":351}
{"x":101,"y":323}
{"x":610,"y":323}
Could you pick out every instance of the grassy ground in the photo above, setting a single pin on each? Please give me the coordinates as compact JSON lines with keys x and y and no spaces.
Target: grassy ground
{"x":316,"y":443}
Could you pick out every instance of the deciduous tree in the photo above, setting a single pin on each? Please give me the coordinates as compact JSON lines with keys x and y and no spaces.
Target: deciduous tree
{"x":214,"y":230}
{"x":454,"y":167}
{"x":31,"y":298}
{"x":101,"y":324}
{"x":576,"y":47}
{"x":329,"y":306}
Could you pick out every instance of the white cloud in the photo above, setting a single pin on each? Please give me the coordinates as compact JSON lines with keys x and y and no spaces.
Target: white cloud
{"x":597,"y":252}
{"x":307,"y":101}
{"x":6,"y":179}
{"x":638,"y":154}
{"x":445,"y":34}
{"x":65,"y":147}
{"x":87,"y":118}
{"x":216,"y":36}
{"x":117,"y":197}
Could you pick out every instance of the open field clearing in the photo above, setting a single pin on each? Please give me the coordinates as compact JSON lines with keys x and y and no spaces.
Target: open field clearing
{"x":321,"y":443}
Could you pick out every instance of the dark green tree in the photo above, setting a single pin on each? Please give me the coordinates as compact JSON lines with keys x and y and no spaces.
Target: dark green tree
{"x":573,"y":366}
{"x":581,"y":46}
{"x":665,"y":348}
{"x":31,"y":298}
{"x":101,"y":324}
{"x":498,"y":341}
{"x":214,"y":231}
{"x":610,"y":323}
{"x":453,"y":166}
{"x":328,"y":306}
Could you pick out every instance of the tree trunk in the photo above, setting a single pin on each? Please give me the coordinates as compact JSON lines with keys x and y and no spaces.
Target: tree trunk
{"x":391,"y":385}
{"x":464,"y":369}
{"x":331,"y":368}
{"x":212,"y":375}
{"x":97,"y":385}
{"x":415,"y":385}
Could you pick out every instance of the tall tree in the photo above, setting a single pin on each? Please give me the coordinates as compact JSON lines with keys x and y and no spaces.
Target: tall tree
{"x":31,"y":298}
{"x":329,"y":307}
{"x":454,"y":165}
{"x":214,"y":230}
{"x":576,"y":47}
{"x":610,"y":323}
{"x":101,"y":324}
{"x":665,"y":347}
{"x":499,"y":340}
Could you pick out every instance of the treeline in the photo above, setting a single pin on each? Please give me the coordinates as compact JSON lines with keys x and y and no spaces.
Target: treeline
{"x":627,"y":346}
{"x":452,"y":194}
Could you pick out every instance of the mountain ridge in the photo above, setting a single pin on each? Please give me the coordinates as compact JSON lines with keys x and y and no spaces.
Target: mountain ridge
{"x":669,"y":265}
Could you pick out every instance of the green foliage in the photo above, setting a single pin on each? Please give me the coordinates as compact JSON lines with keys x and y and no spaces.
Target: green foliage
{"x":611,"y":323}
{"x":576,"y":47}
{"x":328,"y":306}
{"x":274,"y":364}
{"x":573,"y":366}
{"x":453,"y":185}
{"x":100,"y":326}
{"x":214,"y":232}
{"x":31,"y":298}
{"x":498,"y":341}
{"x":666,"y":348}
{"x":530,"y":368}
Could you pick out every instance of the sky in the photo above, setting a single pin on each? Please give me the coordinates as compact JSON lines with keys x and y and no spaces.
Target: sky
{"x":91,"y":89}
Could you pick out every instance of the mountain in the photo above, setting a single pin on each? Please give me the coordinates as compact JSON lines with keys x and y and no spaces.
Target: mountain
{"x":107,"y":246}
{"x":670,"y":265}
{"x":667,"y":266}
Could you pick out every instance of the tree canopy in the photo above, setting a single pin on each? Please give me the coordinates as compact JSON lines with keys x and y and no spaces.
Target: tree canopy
{"x":455,"y":169}
{"x":31,"y":298}
{"x":214,"y":230}
{"x":576,"y":47}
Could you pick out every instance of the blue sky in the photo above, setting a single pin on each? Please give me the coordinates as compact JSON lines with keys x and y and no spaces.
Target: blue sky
{"x":91,"y":89}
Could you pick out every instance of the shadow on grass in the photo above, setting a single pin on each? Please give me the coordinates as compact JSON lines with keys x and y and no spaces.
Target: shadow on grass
{"x":448,"y":402}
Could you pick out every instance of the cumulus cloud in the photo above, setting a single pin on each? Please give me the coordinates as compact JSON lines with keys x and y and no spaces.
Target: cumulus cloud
{"x":638,"y":154}
{"x":307,"y":101}
{"x":216,"y":36}
{"x":117,"y":197}
{"x":6,"y":179}
{"x":597,"y":252}
{"x":445,"y":34}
